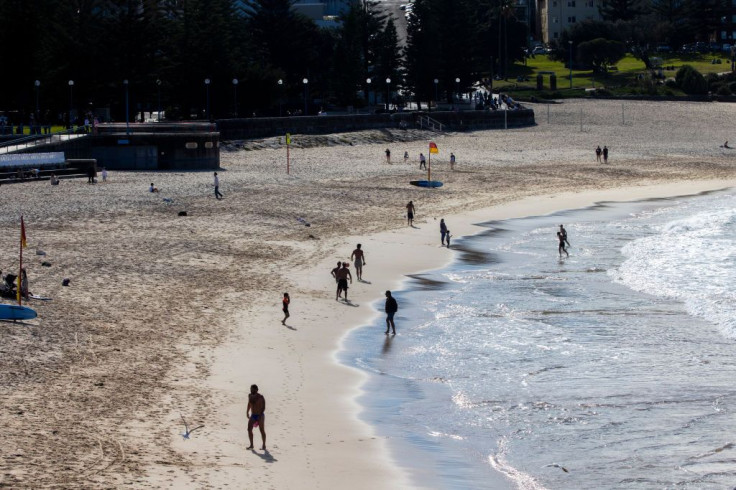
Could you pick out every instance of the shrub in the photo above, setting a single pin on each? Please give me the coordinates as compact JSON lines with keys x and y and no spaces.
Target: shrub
{"x":724,"y":90}
{"x":732,"y":87}
{"x":691,"y":81}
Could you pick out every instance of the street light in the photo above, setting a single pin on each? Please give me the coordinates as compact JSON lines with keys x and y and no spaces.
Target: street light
{"x":127,"y":119}
{"x":570,"y":43}
{"x":71,"y":102}
{"x":388,"y":93}
{"x":37,"y":84}
{"x":207,"y":89}
{"x":436,"y":99}
{"x":305,"y":82}
{"x":368,"y":81}
{"x":235,"y":96}
{"x":457,"y":89}
{"x":281,"y":83}
{"x":158,"y":90}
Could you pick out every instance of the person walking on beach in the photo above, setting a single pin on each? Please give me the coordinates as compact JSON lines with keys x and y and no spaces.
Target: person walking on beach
{"x":388,"y":156}
{"x":256,"y":415}
{"x":564,"y":235}
{"x":410,"y":213}
{"x":598,"y":154}
{"x":342,"y":280}
{"x":605,"y":154}
{"x":285,"y":307}
{"x":358,"y":256}
{"x":561,"y":246}
{"x":104,"y":174}
{"x":391,"y":308}
{"x":218,"y":194}
{"x":334,"y":274}
{"x":443,"y":230}
{"x":452,"y":161}
{"x":422,"y":161}
{"x":406,"y":155}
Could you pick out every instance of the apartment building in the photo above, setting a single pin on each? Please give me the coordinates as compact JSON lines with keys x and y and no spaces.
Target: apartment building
{"x":554,"y":16}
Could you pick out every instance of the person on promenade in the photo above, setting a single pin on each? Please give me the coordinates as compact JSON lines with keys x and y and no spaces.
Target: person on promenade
{"x":443,"y":230}
{"x":598,"y":154}
{"x":256,"y":415}
{"x":358,"y":256}
{"x":391,"y":308}
{"x":422,"y":161}
{"x":388,"y":156}
{"x":561,"y":246}
{"x":452,"y":161}
{"x":342,"y":280}
{"x":605,"y":154}
{"x":410,"y":210}
{"x":285,"y":307}
{"x":564,"y":235}
{"x":406,"y":155}
{"x":218,"y":194}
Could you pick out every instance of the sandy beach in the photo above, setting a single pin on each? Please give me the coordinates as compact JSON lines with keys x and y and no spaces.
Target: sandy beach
{"x":169,"y":316}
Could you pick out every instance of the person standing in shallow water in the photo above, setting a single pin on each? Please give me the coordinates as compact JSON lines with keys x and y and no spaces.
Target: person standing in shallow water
{"x":256,"y":415}
{"x":391,"y":308}
{"x":564,"y":235}
{"x":443,"y":230}
{"x":561,"y":246}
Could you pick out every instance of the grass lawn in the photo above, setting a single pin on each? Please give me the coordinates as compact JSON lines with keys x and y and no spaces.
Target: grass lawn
{"x":621,"y":75}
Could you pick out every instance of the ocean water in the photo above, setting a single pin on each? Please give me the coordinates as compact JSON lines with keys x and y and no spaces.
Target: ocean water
{"x":614,"y":368}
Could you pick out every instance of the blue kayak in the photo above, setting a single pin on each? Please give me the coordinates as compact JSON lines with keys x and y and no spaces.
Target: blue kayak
{"x":426,"y":183}
{"x":15,"y":312}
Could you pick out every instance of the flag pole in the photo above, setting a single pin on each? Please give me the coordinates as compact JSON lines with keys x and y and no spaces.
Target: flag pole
{"x":429,"y":167}
{"x":20,"y":267}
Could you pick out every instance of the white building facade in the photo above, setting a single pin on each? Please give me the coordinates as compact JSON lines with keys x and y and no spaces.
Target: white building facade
{"x":554,"y":16}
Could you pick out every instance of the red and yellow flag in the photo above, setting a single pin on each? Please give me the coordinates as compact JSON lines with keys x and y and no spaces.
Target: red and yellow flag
{"x":433,"y":147}
{"x":22,"y":233}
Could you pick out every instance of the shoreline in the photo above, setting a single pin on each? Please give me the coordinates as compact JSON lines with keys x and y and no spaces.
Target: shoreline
{"x":317,"y":373}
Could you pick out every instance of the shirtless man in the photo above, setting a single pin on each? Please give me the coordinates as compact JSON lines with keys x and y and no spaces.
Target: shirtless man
{"x":256,"y":415}
{"x":334,"y":274}
{"x":561,"y":246}
{"x":359,"y":257}
{"x":564,"y":235}
{"x":342,"y":280}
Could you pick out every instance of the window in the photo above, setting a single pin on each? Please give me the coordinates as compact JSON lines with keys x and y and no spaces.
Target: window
{"x":554,"y":4}
{"x":589,"y":3}
{"x":554,"y":20}
{"x":571,"y":3}
{"x":571,"y":20}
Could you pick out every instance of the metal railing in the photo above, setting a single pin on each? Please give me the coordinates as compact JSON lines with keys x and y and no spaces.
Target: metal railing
{"x":429,"y":123}
{"x":34,"y":140}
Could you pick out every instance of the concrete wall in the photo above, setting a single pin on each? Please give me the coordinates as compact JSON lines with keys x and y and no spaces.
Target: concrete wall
{"x":265,"y":127}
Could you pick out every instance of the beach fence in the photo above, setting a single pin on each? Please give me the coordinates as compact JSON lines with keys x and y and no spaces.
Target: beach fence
{"x":580,"y":116}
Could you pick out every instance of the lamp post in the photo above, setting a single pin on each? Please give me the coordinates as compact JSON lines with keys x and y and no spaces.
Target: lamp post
{"x":158,"y":90}
{"x":305,"y":81}
{"x":457,"y":89}
{"x":127,"y":118}
{"x":388,"y":93}
{"x":570,"y":43}
{"x":281,"y":84}
{"x":436,"y":99}
{"x":235,"y":97}
{"x":37,"y":119}
{"x":369,"y":81}
{"x":207,"y":90}
{"x":71,"y":102}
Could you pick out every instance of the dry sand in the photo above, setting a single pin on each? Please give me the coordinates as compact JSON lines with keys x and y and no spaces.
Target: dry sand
{"x":169,"y":315}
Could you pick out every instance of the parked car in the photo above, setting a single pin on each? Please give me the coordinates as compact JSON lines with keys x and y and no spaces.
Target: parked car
{"x":726,"y":48}
{"x":539,"y":50}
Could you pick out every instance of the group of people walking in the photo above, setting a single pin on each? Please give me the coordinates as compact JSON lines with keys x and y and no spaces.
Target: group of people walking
{"x":601,"y":153}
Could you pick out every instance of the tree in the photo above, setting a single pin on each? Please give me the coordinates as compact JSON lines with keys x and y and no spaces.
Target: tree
{"x":691,"y":81}
{"x":599,"y":53}
{"x":612,"y":10}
